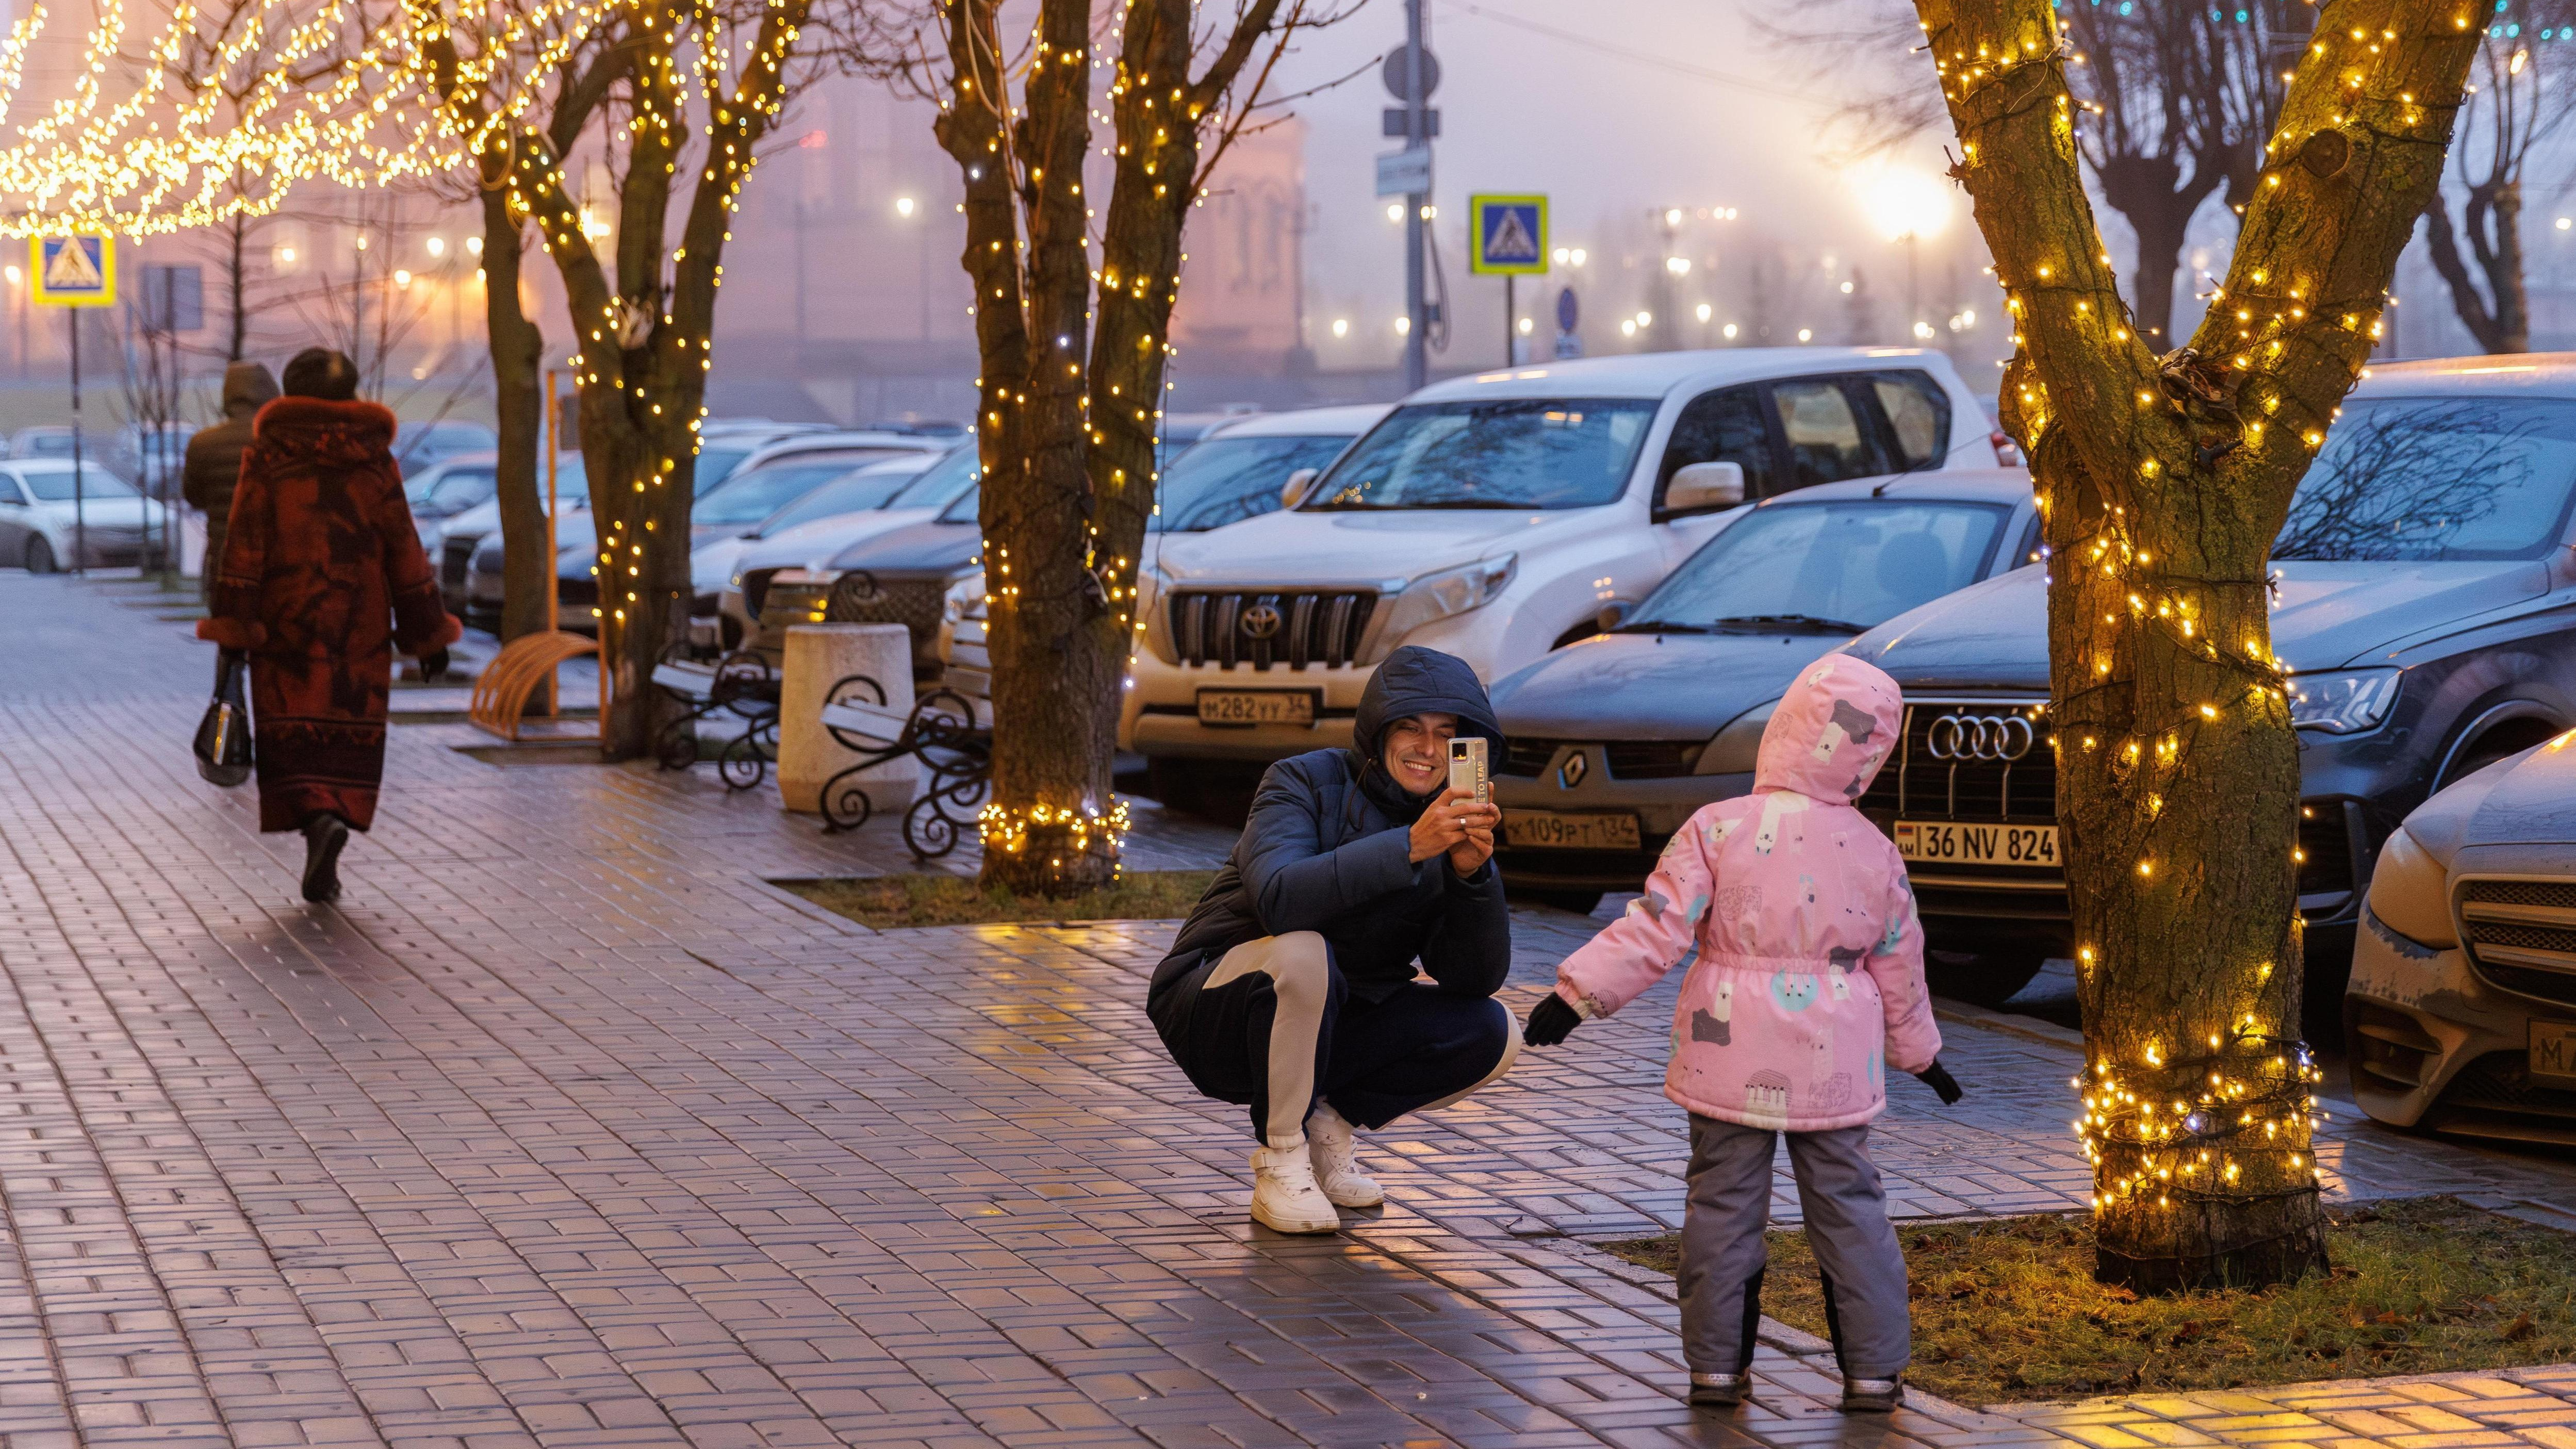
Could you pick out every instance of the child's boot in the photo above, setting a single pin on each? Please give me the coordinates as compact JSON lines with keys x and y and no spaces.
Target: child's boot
{"x":1872,"y":1396}
{"x":1716,"y":1391}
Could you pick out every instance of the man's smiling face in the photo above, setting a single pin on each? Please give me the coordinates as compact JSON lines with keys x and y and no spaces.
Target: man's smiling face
{"x":1417,"y":752}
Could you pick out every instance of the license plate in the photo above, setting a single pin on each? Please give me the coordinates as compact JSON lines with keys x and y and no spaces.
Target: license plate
{"x":1561,"y":830}
{"x":2553,"y":1049}
{"x":1956,"y":844}
{"x":1256,"y":706}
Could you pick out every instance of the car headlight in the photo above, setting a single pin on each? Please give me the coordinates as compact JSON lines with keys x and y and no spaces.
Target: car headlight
{"x":2410,"y":892}
{"x":2343,"y":704}
{"x":1448,"y":593}
{"x":1734,"y":749}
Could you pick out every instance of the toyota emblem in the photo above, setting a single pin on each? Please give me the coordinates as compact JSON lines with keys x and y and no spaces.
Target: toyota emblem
{"x":1998,"y":737}
{"x":1261,"y":621}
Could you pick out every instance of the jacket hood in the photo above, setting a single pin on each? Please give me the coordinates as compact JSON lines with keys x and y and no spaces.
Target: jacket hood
{"x":1415,"y":680}
{"x":247,"y":388}
{"x":342,"y":433}
{"x":1831,"y":732}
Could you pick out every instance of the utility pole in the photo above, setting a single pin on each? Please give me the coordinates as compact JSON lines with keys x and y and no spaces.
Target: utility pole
{"x":1417,"y":134}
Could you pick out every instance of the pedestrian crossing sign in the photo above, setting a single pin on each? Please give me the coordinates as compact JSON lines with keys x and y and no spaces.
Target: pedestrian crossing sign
{"x":1510,"y":235}
{"x":74,"y":271}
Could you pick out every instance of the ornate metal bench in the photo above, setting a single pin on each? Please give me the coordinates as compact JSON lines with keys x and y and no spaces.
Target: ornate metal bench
{"x":955,"y":752}
{"x":741,"y":684}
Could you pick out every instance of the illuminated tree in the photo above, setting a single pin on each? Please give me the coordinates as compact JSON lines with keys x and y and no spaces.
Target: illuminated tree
{"x":2163,"y":481}
{"x":1073,"y":353}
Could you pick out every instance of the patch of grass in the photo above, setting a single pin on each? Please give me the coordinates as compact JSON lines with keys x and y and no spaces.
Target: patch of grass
{"x":890,"y":901}
{"x":2007,"y":1310}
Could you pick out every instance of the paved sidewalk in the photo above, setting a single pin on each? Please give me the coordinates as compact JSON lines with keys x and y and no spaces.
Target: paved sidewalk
{"x":565,"y":1128}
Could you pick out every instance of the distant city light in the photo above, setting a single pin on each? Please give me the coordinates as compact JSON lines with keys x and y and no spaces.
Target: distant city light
{"x":1923,"y":330}
{"x":1847,"y":287}
{"x":1628,"y":327}
{"x":1558,"y":256}
{"x":1645,"y":319}
{"x":1403,"y":325}
{"x":402,"y":278}
{"x":1678,"y":266}
{"x":1429,"y":211}
{"x":1525,"y":326}
{"x":1395,"y":211}
{"x":16,"y":276}
{"x":1673,"y":217}
{"x":1727,"y":332}
{"x":437,"y":246}
{"x":1341,"y":327}
{"x":1706,"y":311}
{"x":2565,"y":222}
{"x":1575,"y":256}
{"x":474,"y":244}
{"x":286,"y":256}
{"x":903,"y":206}
{"x":1806,"y":334}
{"x":1903,"y":202}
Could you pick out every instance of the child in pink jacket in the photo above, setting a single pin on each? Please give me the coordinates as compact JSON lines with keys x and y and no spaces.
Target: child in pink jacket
{"x":1805,"y":984}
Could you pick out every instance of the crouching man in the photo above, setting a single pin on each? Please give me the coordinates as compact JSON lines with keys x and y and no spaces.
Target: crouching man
{"x":1292,"y":989}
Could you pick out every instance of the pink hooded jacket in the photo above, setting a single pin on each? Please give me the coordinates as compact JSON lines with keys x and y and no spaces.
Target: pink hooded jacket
{"x":1808,"y":977}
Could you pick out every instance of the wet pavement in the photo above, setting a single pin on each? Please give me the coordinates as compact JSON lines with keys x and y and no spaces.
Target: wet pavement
{"x":566,"y":1128}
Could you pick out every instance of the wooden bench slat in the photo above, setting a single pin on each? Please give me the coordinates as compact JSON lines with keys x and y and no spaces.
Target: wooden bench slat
{"x":867,"y":721}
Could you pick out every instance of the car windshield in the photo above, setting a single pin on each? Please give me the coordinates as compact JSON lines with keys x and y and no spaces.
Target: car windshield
{"x":1826,"y":567}
{"x":54,"y":485}
{"x":1227,"y":480}
{"x":967,"y":507}
{"x":858,"y":492}
{"x":943,"y":482}
{"x":716,"y":462}
{"x":453,"y":489}
{"x":751,"y":496}
{"x":2420,"y":479}
{"x":1511,"y":454}
{"x":46,"y":445}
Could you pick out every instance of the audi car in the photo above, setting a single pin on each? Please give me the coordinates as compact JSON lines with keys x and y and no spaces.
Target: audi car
{"x":2423,"y":599}
{"x":1616,"y":739}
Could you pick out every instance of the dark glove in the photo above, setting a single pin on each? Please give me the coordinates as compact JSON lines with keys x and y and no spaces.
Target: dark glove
{"x":1943,"y":1085}
{"x":229,"y":657}
{"x":1549,"y":1021}
{"x":432,"y":665}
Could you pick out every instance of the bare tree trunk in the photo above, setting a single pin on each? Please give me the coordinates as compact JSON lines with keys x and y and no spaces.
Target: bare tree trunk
{"x":2499,"y":317}
{"x":2158,"y":202}
{"x":1069,"y":460}
{"x":234,"y":285}
{"x":518,"y":402}
{"x":2164,"y":482}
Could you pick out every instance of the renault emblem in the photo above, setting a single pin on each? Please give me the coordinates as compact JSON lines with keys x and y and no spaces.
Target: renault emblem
{"x":1571,"y":773}
{"x":1260,"y":621}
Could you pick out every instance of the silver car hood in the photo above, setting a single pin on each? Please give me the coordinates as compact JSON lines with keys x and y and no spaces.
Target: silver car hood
{"x":1652,"y":686}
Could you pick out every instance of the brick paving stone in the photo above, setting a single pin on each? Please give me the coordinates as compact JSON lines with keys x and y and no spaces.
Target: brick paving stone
{"x":567,"y":1128}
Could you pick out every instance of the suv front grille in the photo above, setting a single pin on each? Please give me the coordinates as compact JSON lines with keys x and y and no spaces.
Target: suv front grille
{"x":1913,"y":785}
{"x":2502,"y":1082}
{"x":1627,"y":759}
{"x":2521,"y":935}
{"x":1295,"y":628}
{"x":854,"y":598}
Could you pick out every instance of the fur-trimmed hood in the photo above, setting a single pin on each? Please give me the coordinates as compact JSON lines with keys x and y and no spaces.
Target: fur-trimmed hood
{"x":346,"y":434}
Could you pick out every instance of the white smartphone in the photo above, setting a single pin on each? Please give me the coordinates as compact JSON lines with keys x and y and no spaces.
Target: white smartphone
{"x":1467,"y":768}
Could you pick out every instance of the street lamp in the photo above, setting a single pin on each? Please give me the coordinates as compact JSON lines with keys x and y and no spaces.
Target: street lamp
{"x":1907,"y":205}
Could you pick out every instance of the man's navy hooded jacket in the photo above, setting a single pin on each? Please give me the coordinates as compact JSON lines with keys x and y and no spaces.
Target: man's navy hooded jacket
{"x":1327,"y":850}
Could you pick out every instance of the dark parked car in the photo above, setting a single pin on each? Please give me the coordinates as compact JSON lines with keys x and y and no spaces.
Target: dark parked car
{"x":2424,"y":601}
{"x":903,"y":576}
{"x":1615,"y":740}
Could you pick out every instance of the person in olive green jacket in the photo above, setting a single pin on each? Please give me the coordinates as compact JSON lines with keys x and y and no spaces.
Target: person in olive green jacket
{"x":213,"y":464}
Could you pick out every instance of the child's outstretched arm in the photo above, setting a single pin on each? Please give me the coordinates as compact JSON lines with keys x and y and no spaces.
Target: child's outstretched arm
{"x":1634,"y":951}
{"x":1896,"y":964}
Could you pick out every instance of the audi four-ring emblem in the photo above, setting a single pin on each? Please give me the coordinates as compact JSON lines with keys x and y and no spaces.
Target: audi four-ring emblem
{"x":1260,"y":621}
{"x":1979,"y":737}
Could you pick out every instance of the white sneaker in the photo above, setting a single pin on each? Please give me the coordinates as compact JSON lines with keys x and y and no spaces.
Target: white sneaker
{"x":1285,"y":1198}
{"x":1330,"y":1142}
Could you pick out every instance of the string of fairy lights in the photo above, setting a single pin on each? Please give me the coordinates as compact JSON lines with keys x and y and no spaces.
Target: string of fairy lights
{"x":2169,"y":1130}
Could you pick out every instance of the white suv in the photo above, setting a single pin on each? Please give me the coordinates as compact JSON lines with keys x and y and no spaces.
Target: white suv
{"x":1498,"y":516}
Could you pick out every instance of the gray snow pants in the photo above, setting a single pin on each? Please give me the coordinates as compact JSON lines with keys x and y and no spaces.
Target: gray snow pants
{"x":1847,"y":1226}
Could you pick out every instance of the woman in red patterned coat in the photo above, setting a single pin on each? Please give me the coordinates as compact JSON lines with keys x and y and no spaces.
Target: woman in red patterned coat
{"x":322,"y":578}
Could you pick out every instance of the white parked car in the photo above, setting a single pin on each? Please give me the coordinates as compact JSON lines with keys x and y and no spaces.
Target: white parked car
{"x":40,"y":518}
{"x":1498,"y":516}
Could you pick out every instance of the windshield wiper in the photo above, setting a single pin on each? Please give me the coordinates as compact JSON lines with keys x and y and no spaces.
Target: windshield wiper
{"x":1785,"y":622}
{"x":1652,"y":626}
{"x":1462,"y":503}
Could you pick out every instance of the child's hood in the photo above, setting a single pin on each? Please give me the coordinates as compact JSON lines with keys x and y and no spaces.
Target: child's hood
{"x":1831,"y":731}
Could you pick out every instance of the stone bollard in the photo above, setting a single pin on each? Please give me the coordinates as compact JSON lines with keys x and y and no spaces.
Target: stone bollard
{"x":819,"y":656}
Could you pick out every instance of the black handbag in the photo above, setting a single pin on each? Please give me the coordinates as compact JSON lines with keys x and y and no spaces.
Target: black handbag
{"x":223,"y":736}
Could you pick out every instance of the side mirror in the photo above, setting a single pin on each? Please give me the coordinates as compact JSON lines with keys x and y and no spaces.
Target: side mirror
{"x":1612,"y":615}
{"x":1705,"y":485}
{"x":1293,"y":492}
